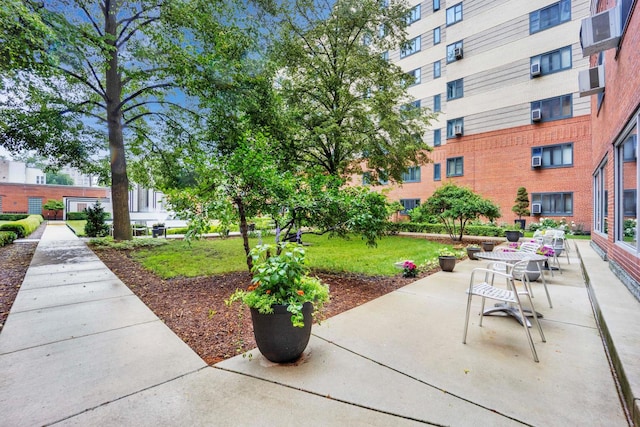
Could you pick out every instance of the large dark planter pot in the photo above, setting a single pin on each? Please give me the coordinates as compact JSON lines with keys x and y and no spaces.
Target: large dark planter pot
{"x":277,"y":339}
{"x":447,"y":263}
{"x":488,"y":246}
{"x":521,"y":222}
{"x":512,"y":235}
{"x":471,"y":253}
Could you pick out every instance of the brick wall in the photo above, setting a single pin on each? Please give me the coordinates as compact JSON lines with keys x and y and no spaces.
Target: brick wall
{"x":15,"y":197}
{"x":621,"y":102}
{"x":497,"y":163}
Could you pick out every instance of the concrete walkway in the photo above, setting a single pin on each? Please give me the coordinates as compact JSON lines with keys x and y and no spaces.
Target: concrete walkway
{"x":78,"y":348}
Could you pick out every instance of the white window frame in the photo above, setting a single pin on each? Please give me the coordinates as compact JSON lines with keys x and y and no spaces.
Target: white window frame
{"x":622,"y":230}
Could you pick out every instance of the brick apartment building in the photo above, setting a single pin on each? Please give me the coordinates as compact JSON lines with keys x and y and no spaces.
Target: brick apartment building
{"x":615,"y":120}
{"x":504,"y":78}
{"x":29,"y":198}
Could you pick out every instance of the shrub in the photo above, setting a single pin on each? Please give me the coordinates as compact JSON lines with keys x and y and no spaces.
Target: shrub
{"x":23,"y":227}
{"x":95,"y":226}
{"x":12,"y":217}
{"x":7,"y":237}
{"x":76,"y":216}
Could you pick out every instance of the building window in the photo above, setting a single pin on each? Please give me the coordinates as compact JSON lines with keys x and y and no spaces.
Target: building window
{"x":412,"y":174}
{"x":436,"y":5}
{"x":629,"y":149}
{"x":382,"y":178}
{"x":385,"y":55}
{"x":414,"y":77}
{"x":409,"y":204}
{"x":626,"y":184}
{"x":554,"y":108}
{"x":454,"y":89}
{"x":436,"y":70}
{"x":455,"y":166}
{"x":554,"y":156}
{"x":550,"y":16}
{"x":437,"y":137}
{"x":437,"y":105}
{"x":554,"y":204}
{"x":436,"y":35}
{"x":455,"y":127}
{"x":451,"y":51}
{"x":410,"y":47}
{"x":454,"y":14}
{"x":0,"y":204}
{"x":552,"y":62}
{"x":600,"y":199}
{"x":414,"y":15}
{"x":436,"y":172}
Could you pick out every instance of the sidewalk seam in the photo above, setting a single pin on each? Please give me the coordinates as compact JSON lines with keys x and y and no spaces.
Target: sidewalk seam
{"x":79,"y":336}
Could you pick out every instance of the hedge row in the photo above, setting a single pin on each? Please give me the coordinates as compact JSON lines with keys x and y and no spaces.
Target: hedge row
{"x":7,"y":237}
{"x":23,"y":227}
{"x":12,"y":217}
{"x":471,"y":230}
{"x":76,"y":216}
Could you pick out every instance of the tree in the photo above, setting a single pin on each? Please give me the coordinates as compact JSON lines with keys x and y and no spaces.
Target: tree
{"x":350,"y":104}
{"x":59,"y":178}
{"x":522,"y":203}
{"x":455,"y":206}
{"x":96,"y":216}
{"x":81,"y":73}
{"x":55,"y":206}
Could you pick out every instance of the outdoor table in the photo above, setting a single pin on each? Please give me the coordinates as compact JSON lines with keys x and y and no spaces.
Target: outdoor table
{"x":512,"y":257}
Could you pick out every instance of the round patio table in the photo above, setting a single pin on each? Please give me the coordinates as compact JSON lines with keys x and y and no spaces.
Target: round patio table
{"x":512,"y":258}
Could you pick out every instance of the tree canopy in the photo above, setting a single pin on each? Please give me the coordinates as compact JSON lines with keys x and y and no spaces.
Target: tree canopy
{"x":455,"y":206}
{"x":350,"y":105}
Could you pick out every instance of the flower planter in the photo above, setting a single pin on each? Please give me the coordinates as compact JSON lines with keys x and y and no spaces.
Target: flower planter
{"x":512,"y":235}
{"x":447,"y":263}
{"x":471,"y":253}
{"x":488,"y":246}
{"x":533,"y":273}
{"x":277,"y":339}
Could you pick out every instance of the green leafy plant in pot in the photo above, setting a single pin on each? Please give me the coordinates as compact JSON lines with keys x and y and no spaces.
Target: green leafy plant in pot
{"x":447,"y":259}
{"x":283,"y":299}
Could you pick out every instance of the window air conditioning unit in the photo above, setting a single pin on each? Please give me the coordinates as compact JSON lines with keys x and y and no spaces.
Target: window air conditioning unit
{"x":535,"y":69}
{"x":591,"y":81}
{"x":601,"y":31}
{"x":536,"y":161}
{"x":457,"y":129}
{"x":457,"y":52}
{"x":536,"y":115}
{"x":536,"y":208}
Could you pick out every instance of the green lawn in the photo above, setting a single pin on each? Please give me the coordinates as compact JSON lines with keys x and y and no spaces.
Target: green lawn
{"x":208,"y":257}
{"x":77,"y":225}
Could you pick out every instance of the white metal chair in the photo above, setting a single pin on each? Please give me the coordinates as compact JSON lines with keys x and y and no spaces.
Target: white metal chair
{"x":550,"y":241}
{"x":484,"y":288}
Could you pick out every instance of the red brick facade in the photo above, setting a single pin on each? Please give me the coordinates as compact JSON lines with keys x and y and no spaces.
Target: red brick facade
{"x":15,"y":197}
{"x":497,"y":163}
{"x":620,"y":106}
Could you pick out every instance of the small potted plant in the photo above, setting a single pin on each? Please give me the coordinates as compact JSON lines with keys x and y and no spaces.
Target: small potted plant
{"x":472,"y":250}
{"x":283,"y":299}
{"x":446,"y":259}
{"x":157,"y":229}
{"x":409,"y":269}
{"x":521,"y":207}
{"x":513,"y":233}
{"x":488,"y":246}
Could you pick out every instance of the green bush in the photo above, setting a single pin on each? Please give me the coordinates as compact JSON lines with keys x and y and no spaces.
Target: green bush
{"x":76,"y":216}
{"x":95,"y":226}
{"x":470,"y":230}
{"x":23,"y":227}
{"x":12,"y":217}
{"x":7,"y":237}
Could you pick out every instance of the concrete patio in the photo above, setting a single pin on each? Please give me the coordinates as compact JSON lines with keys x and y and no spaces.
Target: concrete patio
{"x":80,"y":349}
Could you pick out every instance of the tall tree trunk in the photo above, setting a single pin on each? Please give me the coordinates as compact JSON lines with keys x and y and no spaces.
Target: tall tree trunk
{"x":119,"y":179}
